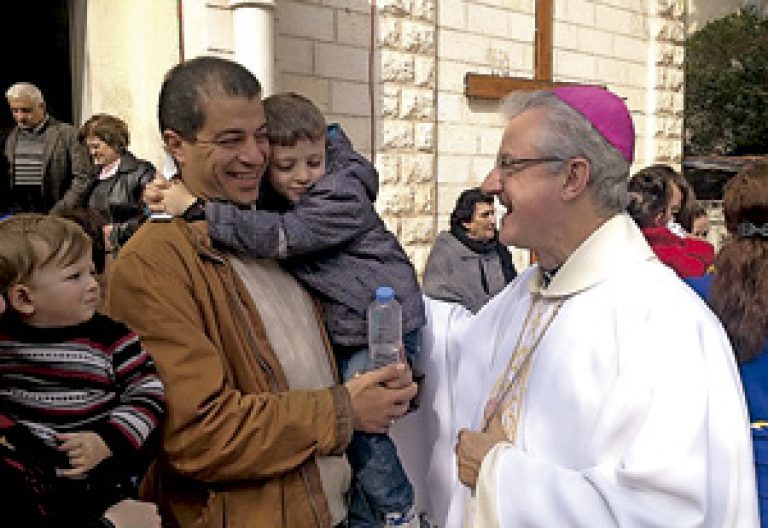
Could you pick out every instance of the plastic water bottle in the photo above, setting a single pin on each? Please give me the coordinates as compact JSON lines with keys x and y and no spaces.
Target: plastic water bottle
{"x":385,"y":328}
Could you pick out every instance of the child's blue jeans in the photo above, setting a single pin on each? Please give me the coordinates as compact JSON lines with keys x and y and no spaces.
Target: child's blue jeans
{"x":379,"y":483}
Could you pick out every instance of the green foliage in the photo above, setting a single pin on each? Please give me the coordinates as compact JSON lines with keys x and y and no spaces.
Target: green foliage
{"x":726,"y":68}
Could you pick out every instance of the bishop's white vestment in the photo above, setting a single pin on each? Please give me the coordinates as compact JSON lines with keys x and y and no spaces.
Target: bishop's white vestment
{"x":632,"y":412}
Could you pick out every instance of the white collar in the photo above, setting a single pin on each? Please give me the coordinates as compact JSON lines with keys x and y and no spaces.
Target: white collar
{"x":615,"y":244}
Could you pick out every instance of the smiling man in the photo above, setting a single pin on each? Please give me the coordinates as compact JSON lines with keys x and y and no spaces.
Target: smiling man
{"x":257,"y":420}
{"x":47,"y":165}
{"x":596,"y":390}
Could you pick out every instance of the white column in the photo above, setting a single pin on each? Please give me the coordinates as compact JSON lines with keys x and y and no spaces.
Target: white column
{"x":254,"y":34}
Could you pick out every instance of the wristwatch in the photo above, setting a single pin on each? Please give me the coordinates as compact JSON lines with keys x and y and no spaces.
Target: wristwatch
{"x":195,"y":212}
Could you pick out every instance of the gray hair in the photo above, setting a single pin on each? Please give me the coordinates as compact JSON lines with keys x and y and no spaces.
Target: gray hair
{"x":565,"y":133}
{"x":25,"y":89}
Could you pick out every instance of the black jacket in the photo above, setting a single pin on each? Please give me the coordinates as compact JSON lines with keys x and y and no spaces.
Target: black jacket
{"x":118,"y":198}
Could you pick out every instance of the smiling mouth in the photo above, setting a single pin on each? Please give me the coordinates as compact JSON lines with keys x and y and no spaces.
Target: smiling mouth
{"x":241,"y":176}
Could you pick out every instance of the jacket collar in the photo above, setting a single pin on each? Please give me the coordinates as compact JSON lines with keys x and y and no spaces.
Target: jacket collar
{"x":197,"y":234}
{"x":616,"y":244}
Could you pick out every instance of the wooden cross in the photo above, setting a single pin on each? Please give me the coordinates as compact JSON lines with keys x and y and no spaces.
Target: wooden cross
{"x":482,"y":86}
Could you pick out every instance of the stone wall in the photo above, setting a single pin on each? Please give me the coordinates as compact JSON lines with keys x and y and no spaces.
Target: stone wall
{"x":431,"y":142}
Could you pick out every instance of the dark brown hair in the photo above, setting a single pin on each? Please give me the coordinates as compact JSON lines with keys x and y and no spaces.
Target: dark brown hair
{"x":291,"y":118}
{"x":739,"y":293}
{"x":649,"y":194}
{"x":189,"y":84}
{"x":110,"y":129}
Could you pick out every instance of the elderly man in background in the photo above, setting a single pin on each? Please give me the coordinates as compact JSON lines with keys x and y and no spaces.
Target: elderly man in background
{"x":597,"y":390}
{"x":467,"y":264}
{"x":47,"y":165}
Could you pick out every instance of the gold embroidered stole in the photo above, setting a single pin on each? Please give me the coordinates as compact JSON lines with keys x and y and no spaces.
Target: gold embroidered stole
{"x":509,"y":390}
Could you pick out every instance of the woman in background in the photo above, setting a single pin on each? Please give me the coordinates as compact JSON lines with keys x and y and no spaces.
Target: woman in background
{"x":651,"y":193}
{"x":738,"y":294}
{"x":115,"y":191}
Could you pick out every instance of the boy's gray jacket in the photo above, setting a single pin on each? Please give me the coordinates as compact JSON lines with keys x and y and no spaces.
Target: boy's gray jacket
{"x":333,"y":241}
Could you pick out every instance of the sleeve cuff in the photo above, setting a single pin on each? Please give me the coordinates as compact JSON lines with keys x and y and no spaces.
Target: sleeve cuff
{"x":342,"y":404}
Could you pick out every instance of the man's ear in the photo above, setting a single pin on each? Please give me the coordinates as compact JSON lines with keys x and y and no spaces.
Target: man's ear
{"x":173,"y":144}
{"x":20,"y":299}
{"x":577,"y":177}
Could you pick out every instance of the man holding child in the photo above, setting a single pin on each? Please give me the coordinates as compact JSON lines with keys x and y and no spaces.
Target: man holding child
{"x":257,"y":422}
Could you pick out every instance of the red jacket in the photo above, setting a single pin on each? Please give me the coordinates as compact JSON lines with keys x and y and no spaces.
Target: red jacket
{"x":688,"y":256}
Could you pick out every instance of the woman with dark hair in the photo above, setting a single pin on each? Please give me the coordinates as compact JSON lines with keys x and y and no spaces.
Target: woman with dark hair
{"x":468,"y":265}
{"x":650,"y":206}
{"x":738,"y":294}
{"x":115,"y":191}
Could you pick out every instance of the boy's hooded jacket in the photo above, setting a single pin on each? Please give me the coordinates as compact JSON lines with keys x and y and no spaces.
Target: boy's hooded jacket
{"x":333,"y":241}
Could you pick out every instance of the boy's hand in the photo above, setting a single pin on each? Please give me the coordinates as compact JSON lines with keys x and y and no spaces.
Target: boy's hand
{"x":177,"y":198}
{"x":152,"y":194}
{"x":85,"y":450}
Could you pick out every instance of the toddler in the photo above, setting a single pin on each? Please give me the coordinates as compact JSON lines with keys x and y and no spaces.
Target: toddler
{"x":78,"y":381}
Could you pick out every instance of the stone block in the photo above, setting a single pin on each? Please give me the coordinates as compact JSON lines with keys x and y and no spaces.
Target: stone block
{"x":522,"y":6}
{"x":418,"y":37}
{"x":396,"y":67}
{"x":480,"y":168}
{"x":305,"y":20}
{"x":463,"y":47}
{"x":630,"y":48}
{"x":390,"y":34}
{"x":450,"y":107}
{"x":395,"y":200}
{"x":521,"y":27}
{"x":487,"y":20}
{"x":423,"y":10}
{"x":576,"y":65}
{"x":424,"y":199}
{"x":419,"y":230}
{"x":397,"y":134}
{"x":450,"y":75}
{"x":490,"y":139}
{"x":353,"y":28}
{"x":347,"y":5}
{"x":388,"y":166}
{"x":616,"y":19}
{"x":417,"y":168}
{"x":424,"y":139}
{"x":457,"y":139}
{"x":576,"y":11}
{"x":452,"y":14}
{"x":417,"y":104}
{"x":390,"y":101}
{"x":453,"y":169}
{"x":424,"y":71}
{"x":418,"y":257}
{"x":311,"y":87}
{"x":350,"y":98}
{"x":341,"y":62}
{"x":294,"y":55}
{"x":394,"y":7}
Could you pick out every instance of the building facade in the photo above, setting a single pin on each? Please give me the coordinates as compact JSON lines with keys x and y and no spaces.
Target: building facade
{"x":394,"y":74}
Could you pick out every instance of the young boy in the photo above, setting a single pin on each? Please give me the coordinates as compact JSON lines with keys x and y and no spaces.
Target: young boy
{"x":320,"y":221}
{"x":78,"y":381}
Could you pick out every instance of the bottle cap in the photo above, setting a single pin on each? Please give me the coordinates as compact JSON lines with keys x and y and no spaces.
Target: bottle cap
{"x":384,"y":294}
